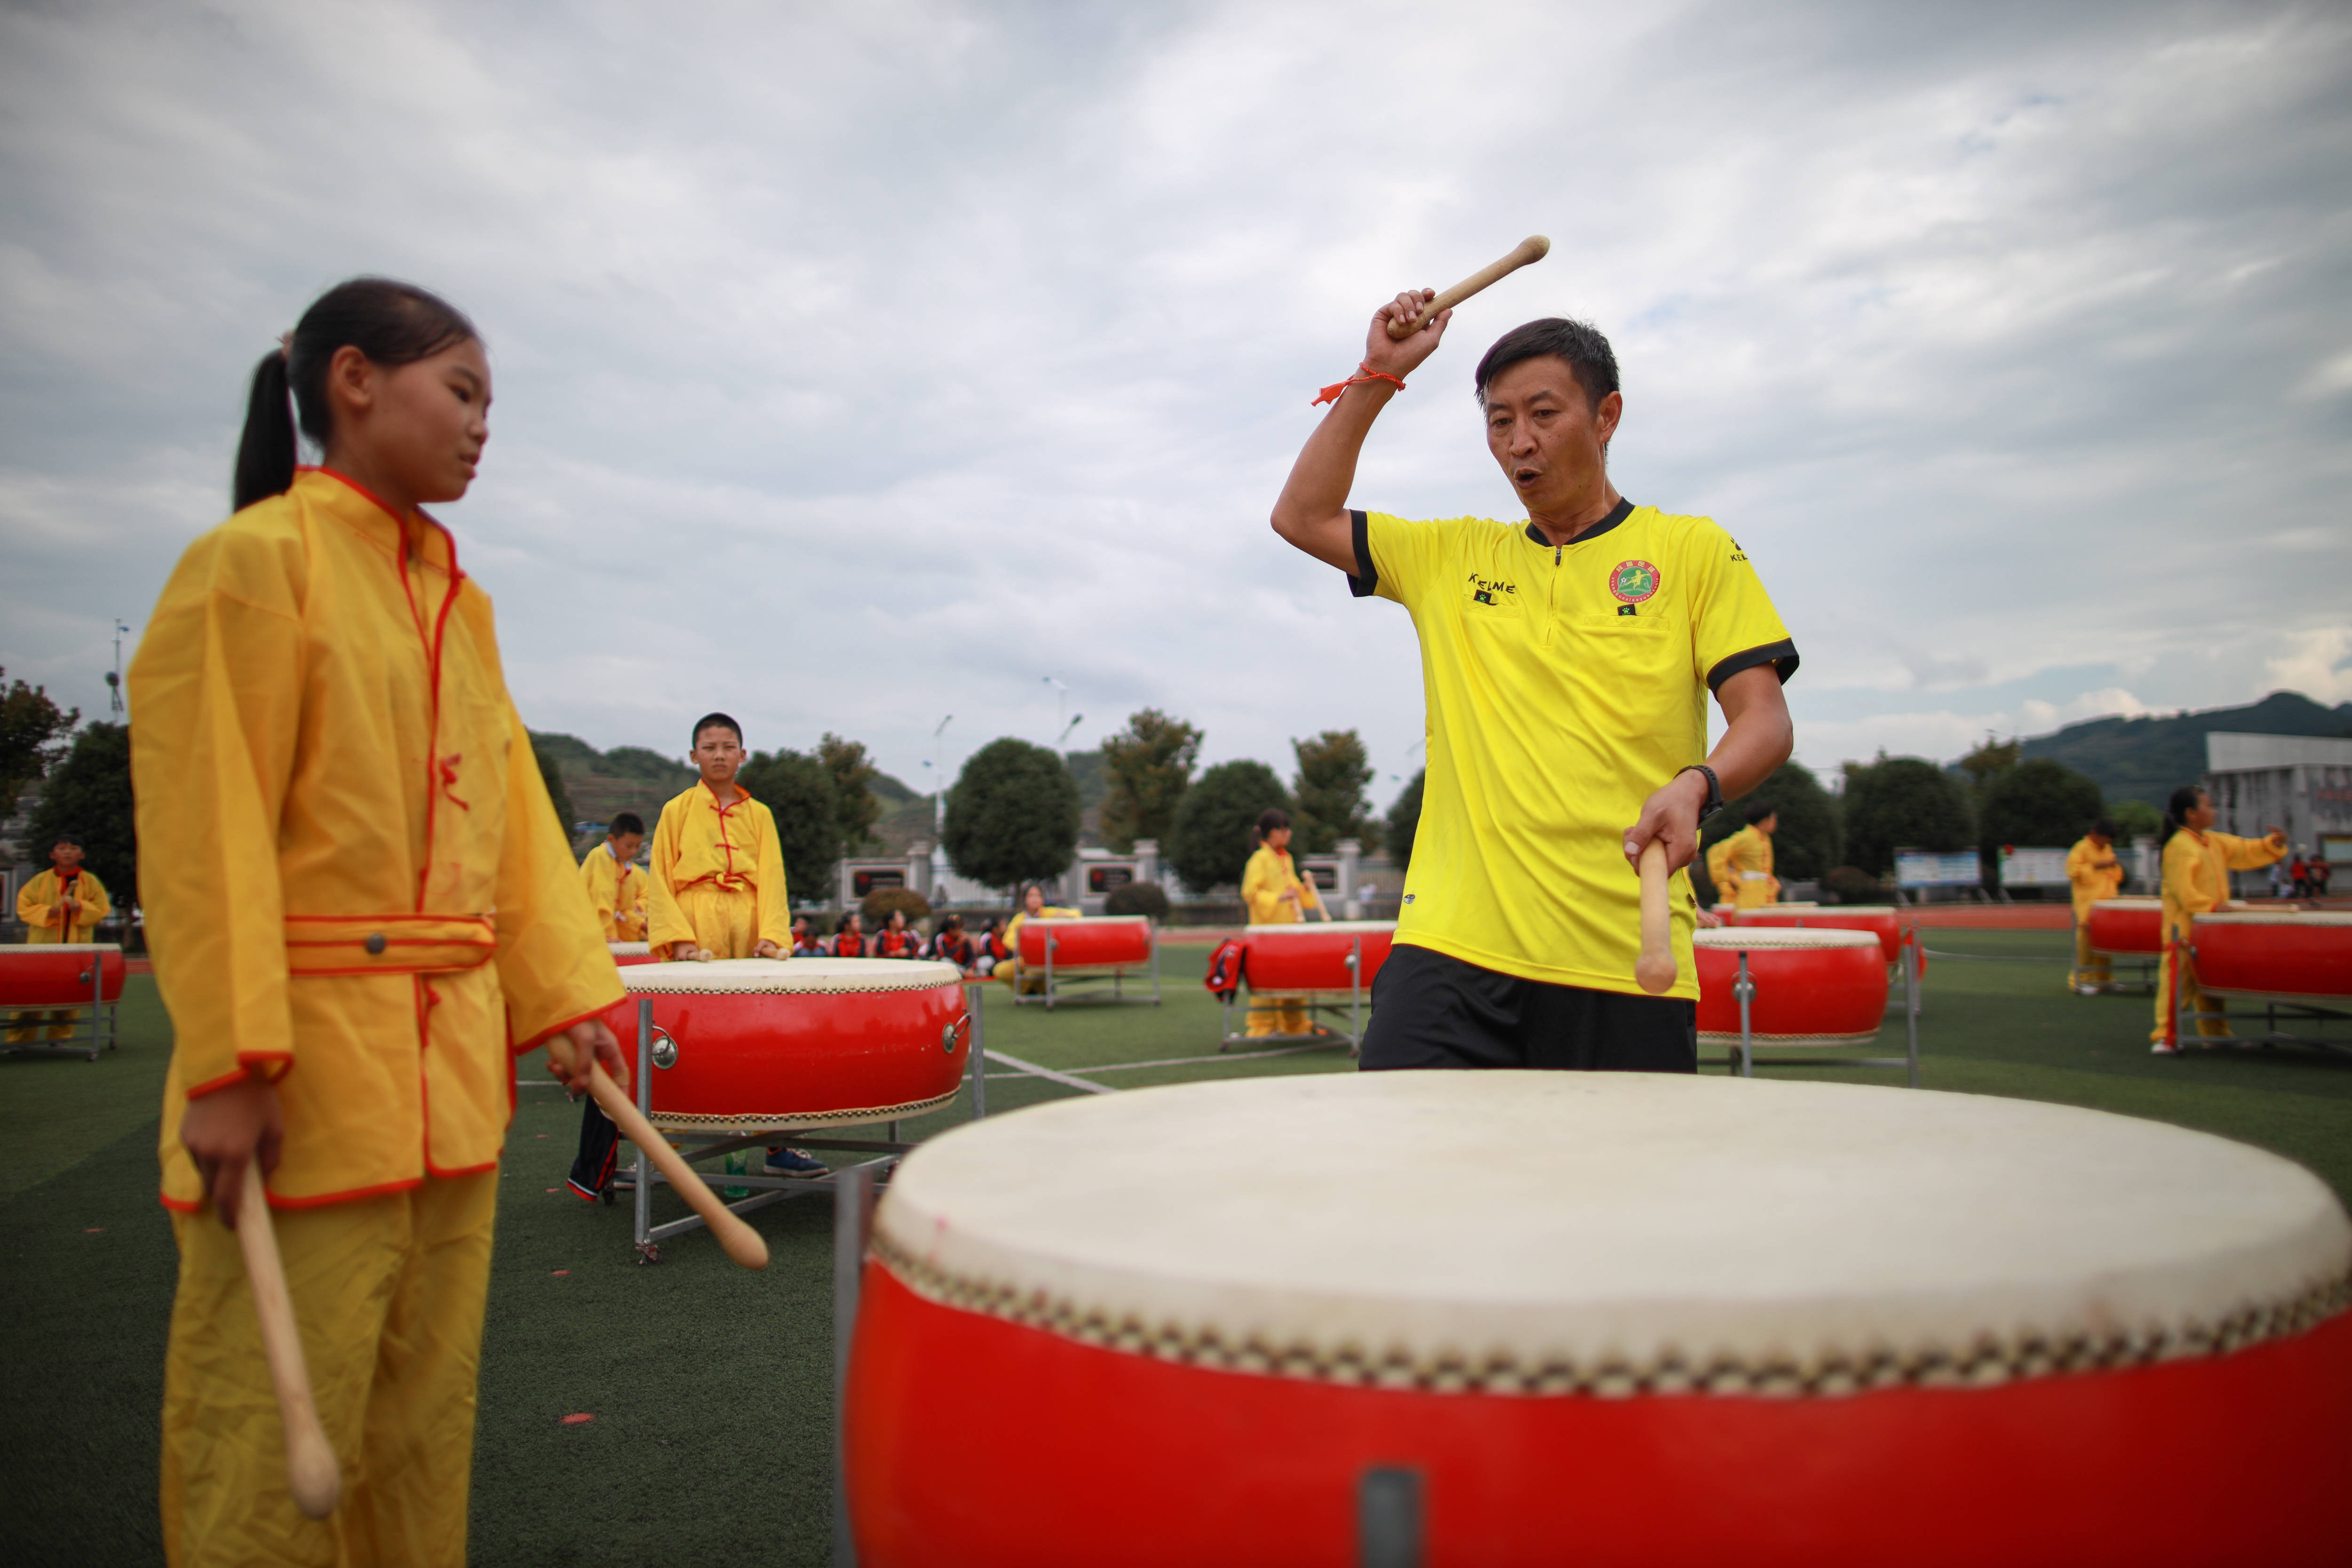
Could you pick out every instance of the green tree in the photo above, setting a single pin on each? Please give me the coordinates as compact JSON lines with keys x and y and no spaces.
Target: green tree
{"x":2043,"y":804}
{"x":1989,"y":760}
{"x":1149,"y":764}
{"x":1805,"y":846}
{"x":32,"y":736}
{"x":797,"y":790}
{"x":1404,"y":821}
{"x":551,"y":774}
{"x":1901,"y":803}
{"x":1216,"y":825}
{"x":1332,"y":774}
{"x":89,"y":795}
{"x":2136,"y":819}
{"x":855,"y":805}
{"x":1012,"y":816}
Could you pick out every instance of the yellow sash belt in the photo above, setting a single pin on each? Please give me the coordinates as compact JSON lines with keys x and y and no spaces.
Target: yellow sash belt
{"x":387,"y":944}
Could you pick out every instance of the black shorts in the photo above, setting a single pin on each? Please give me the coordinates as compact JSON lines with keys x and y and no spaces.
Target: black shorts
{"x":1433,"y":1011}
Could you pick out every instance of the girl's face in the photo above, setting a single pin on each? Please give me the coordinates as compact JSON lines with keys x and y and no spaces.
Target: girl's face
{"x":421,"y":425}
{"x":1034,"y":899}
{"x":1278,"y":839}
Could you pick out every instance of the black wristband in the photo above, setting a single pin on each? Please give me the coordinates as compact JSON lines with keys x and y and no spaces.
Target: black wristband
{"x":1714,"y":789}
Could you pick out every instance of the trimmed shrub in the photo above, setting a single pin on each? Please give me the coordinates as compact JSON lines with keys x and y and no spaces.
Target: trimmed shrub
{"x":877,"y":905}
{"x":1851,"y":885}
{"x":1138,"y":899}
{"x":1012,"y":816}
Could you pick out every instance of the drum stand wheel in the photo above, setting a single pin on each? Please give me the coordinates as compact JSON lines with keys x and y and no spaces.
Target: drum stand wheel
{"x":649,"y":1252}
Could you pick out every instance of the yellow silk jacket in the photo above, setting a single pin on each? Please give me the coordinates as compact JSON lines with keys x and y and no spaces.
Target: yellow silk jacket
{"x":2197,"y":868}
{"x":37,"y":906}
{"x":1268,"y":873}
{"x":734,"y":846}
{"x":354,"y":884}
{"x":618,"y":893}
{"x":2095,"y":874}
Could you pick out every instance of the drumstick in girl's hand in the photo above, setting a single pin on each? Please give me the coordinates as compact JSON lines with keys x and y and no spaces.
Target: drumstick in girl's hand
{"x":1655,"y":970}
{"x":741,"y":1242}
{"x":312,"y":1473}
{"x":1535,"y":248}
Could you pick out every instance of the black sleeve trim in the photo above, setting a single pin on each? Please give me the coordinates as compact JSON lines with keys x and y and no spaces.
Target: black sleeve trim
{"x":1366,"y":579}
{"x":1780,"y":655}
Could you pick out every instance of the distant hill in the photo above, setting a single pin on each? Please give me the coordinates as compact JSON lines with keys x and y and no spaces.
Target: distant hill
{"x":890,"y":792}
{"x":2148,"y":758}
{"x":626,"y":778}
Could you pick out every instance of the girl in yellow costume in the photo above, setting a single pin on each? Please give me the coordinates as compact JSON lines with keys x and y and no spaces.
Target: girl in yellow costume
{"x":362,"y":909}
{"x":1274,"y":895}
{"x":1033,"y":907}
{"x":62,"y":904}
{"x":2197,"y":866}
{"x":1746,"y":862}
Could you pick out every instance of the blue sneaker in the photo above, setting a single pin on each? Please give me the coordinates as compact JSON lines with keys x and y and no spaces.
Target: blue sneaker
{"x":793,"y":1164}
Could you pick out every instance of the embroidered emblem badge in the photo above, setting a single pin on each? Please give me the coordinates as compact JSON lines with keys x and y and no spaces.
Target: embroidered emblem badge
{"x":1631,"y":581}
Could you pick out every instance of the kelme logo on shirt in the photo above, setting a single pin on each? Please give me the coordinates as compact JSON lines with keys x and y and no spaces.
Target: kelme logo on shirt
{"x":1488,"y":591}
{"x":1632,"y":581}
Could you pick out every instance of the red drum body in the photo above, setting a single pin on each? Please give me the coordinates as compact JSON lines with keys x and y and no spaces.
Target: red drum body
{"x":1877,"y":918}
{"x":2127,"y":927}
{"x":625,"y":954}
{"x":1812,"y":987}
{"x":2275,"y":953}
{"x":1092,"y":941}
{"x":1322,"y":956}
{"x":60,"y":973}
{"x":805,"y":1042}
{"x":1802,"y":1308}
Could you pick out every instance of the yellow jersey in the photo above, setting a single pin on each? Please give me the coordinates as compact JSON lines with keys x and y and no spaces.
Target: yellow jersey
{"x":1562,"y":684}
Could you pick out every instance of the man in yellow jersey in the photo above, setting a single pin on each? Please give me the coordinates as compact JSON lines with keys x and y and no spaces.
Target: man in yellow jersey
{"x":1566,"y":663}
{"x":2197,"y":866}
{"x":1746,"y":863}
{"x":615,"y":884}
{"x":62,"y":904}
{"x":1274,"y":894}
{"x":2095,"y":873}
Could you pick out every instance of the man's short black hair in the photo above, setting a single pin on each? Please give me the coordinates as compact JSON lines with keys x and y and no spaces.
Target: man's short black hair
{"x":715,"y":721}
{"x":1758,"y":810}
{"x":624,"y":823}
{"x":1587,"y":353}
{"x":1273,"y":819}
{"x":72,"y":838}
{"x":2105,"y":828}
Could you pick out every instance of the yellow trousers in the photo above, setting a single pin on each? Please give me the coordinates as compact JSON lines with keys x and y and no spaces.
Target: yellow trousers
{"x":725,"y":920}
{"x":388,"y":1293}
{"x":2090,"y":968}
{"x":1748,"y":895}
{"x":2193,"y":999}
{"x":1276,"y":1016}
{"x":24,"y":1025}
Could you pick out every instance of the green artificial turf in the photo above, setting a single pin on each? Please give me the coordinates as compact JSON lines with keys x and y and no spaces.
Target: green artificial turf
{"x":711,"y":1387}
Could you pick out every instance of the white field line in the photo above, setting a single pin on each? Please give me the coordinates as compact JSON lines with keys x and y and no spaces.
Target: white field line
{"x":1174,"y":1061}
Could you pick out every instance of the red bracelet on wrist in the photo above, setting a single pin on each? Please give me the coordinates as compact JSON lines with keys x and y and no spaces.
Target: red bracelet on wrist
{"x":1363,"y":372}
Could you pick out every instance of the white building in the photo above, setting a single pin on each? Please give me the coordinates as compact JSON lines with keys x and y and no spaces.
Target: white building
{"x":2301,"y":783}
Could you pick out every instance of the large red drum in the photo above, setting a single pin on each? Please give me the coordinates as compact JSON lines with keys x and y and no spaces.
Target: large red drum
{"x":60,"y":973}
{"x":2275,"y":952}
{"x":2128,"y":928}
{"x":756,"y":1043}
{"x":1599,"y":1317}
{"x":1812,"y":987}
{"x":1327,"y":955}
{"x":625,"y":954}
{"x":1090,"y":941}
{"x":1879,"y":919}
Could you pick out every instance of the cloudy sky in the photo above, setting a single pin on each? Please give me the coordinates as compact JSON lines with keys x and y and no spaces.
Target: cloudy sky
{"x":866,"y":363}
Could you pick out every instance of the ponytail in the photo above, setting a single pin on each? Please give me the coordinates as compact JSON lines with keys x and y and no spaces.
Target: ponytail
{"x":2176,"y":814}
{"x":265,"y":453}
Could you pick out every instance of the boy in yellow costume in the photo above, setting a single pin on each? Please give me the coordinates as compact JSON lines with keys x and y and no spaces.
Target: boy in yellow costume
{"x":2095,"y":873}
{"x":63,"y":904}
{"x":1274,"y":895}
{"x":361,"y":909}
{"x":2197,"y":866}
{"x":1747,"y":858}
{"x":1033,"y":907}
{"x":614,"y":883}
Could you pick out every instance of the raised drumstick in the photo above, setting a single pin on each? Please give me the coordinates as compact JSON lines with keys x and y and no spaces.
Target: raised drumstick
{"x":1656,"y":968}
{"x":312,"y":1473}
{"x":741,"y":1242}
{"x":1535,"y":248}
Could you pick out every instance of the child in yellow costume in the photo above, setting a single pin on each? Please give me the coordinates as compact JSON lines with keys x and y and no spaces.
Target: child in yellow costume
{"x":615,"y":884}
{"x":1033,"y":907}
{"x":718,"y":882}
{"x":2095,"y":873}
{"x":362,"y":909}
{"x":1274,"y":895}
{"x":1747,"y":858}
{"x":1720,"y":876}
{"x":2197,"y":866}
{"x":62,"y":904}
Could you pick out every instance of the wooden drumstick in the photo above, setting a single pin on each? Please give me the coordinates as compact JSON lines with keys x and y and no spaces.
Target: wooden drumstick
{"x":1656,"y":968}
{"x":312,"y":1473}
{"x":1535,"y":248}
{"x":741,"y":1242}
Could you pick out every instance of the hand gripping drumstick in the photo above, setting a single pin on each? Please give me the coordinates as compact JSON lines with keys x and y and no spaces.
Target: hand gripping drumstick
{"x":1656,"y":968}
{"x":741,"y":1242}
{"x":1535,"y":248}
{"x":312,"y":1473}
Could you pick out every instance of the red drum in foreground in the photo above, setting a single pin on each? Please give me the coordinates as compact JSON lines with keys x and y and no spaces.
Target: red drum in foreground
{"x":804,"y":1042}
{"x":2127,"y":927}
{"x":1812,"y":987}
{"x":1877,"y":918}
{"x":1091,"y":942}
{"x":2275,"y":952}
{"x":1321,"y":956}
{"x":60,"y":973}
{"x":1605,"y":1319}
{"x":625,"y":954}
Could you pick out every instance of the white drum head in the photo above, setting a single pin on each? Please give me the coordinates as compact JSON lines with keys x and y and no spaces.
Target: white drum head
{"x":23,"y":947}
{"x":813,"y":976}
{"x":1614,"y":1233}
{"x":2136,"y":901}
{"x":1302,"y":928}
{"x":1779,"y":908}
{"x":1750,"y":938}
{"x":630,"y":949}
{"x":2277,"y":918}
